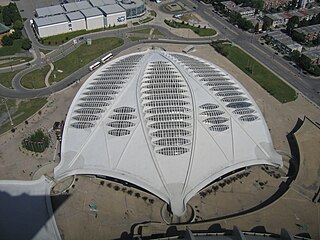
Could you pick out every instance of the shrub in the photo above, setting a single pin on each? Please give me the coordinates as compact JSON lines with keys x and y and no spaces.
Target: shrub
{"x":17,"y":34}
{"x":7,"y":41}
{"x":138,"y":195}
{"x":26,"y":44}
{"x":18,"y":25}
{"x":37,"y":142}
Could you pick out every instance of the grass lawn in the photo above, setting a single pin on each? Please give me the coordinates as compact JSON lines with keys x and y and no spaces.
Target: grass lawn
{"x":11,"y":50}
{"x":147,"y":31}
{"x":5,"y":78}
{"x":35,"y":79}
{"x":24,"y":109}
{"x":137,"y":38}
{"x":82,"y":56}
{"x":45,"y":51}
{"x":62,"y":38}
{"x":14,"y":61}
{"x":202,"y":32}
{"x":152,"y":13}
{"x":145,"y":20}
{"x":157,"y":32}
{"x":142,"y":31}
{"x":262,"y":75}
{"x":117,"y":27}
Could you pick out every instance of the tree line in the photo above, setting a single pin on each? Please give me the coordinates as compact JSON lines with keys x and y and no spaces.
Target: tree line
{"x":12,"y":18}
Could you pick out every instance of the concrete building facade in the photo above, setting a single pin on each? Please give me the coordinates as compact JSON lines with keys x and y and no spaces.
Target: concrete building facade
{"x":76,"y":21}
{"x":283,"y":42}
{"x":113,"y":15}
{"x":87,"y":15}
{"x":133,"y":8}
{"x":94,"y":18}
{"x":52,"y":25}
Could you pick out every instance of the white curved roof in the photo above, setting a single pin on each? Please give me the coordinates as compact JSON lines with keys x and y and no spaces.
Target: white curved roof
{"x":168,"y":122}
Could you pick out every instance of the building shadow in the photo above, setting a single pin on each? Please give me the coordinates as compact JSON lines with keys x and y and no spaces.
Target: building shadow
{"x":27,"y":216}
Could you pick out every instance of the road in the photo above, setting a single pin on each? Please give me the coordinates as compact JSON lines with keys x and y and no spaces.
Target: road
{"x":307,"y":85}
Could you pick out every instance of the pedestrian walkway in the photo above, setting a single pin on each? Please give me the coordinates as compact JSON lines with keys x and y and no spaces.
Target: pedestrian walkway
{"x":150,"y":34}
{"x":46,"y":80}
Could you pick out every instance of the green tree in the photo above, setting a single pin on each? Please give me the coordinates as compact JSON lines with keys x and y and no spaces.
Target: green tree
{"x":298,"y":37}
{"x":316,"y":70}
{"x":17,"y":34}
{"x":295,"y":55}
{"x":266,"y":24}
{"x":304,"y":23}
{"x":245,"y":24}
{"x":257,"y":4}
{"x":6,"y":17}
{"x":26,"y":44}
{"x":18,"y":25}
{"x":7,"y":41}
{"x":305,"y":62}
{"x":11,"y":14}
{"x":292,"y":23}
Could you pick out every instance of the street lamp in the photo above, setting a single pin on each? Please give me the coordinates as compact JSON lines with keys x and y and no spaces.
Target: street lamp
{"x":5,"y":103}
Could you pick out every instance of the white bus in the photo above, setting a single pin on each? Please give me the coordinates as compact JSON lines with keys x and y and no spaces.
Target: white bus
{"x":94,"y":66}
{"x":107,"y":57}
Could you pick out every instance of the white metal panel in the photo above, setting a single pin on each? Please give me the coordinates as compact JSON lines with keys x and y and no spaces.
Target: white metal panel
{"x":78,"y":24}
{"x":94,"y":22}
{"x":55,"y":29}
{"x":116,"y":19}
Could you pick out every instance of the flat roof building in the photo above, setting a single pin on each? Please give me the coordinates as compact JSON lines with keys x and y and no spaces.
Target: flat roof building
{"x":283,"y":42}
{"x":77,"y":21}
{"x":52,"y":25}
{"x":94,"y":18}
{"x":114,"y":15}
{"x":99,"y":3}
{"x":49,"y":11}
{"x":167,"y":122}
{"x":76,"y":6}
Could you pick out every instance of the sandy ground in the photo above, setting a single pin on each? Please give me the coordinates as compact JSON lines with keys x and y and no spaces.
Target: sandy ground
{"x":26,"y":165}
{"x":122,"y":209}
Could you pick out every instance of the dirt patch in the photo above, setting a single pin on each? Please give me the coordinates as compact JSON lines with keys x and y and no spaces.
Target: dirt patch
{"x":190,"y":18}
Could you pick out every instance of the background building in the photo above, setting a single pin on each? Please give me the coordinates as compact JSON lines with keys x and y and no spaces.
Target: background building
{"x":310,"y":33}
{"x":94,"y":18}
{"x":114,"y":15}
{"x":52,"y":25}
{"x":49,"y":11}
{"x":76,"y":21}
{"x":133,"y":8}
{"x":87,"y":15}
